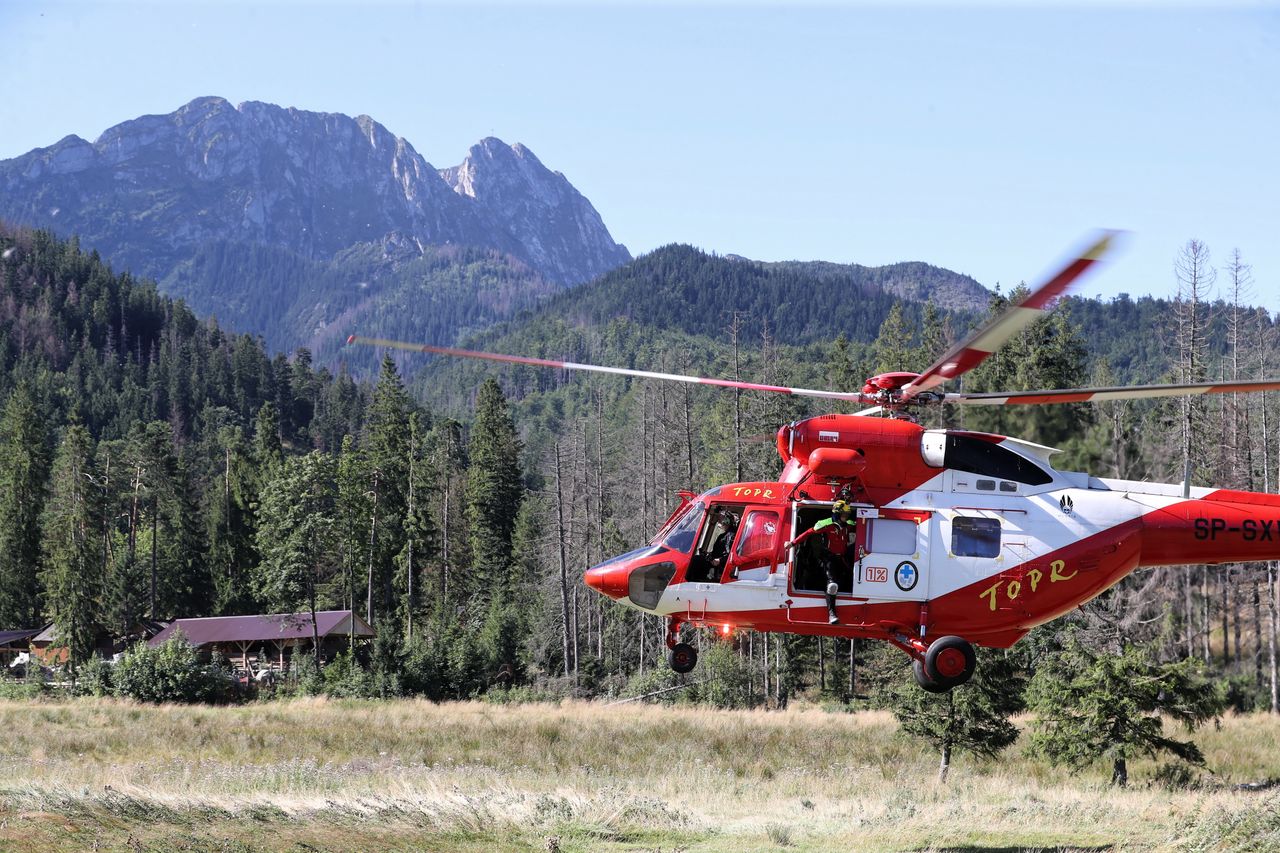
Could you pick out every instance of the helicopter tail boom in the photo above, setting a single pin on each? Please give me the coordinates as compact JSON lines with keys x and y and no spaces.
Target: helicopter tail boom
{"x":1224,"y":526}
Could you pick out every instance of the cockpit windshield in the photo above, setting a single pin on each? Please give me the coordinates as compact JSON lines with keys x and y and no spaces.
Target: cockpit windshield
{"x":680,"y":534}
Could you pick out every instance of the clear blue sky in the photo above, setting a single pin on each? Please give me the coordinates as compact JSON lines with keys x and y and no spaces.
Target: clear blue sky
{"x":985,"y":139}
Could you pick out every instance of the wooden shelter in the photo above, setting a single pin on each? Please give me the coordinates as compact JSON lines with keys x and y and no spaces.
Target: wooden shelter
{"x":257,"y":643}
{"x":48,"y":652}
{"x":14,"y":643}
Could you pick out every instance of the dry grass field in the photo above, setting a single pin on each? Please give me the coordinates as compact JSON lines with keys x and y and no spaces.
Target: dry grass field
{"x":410,"y":775}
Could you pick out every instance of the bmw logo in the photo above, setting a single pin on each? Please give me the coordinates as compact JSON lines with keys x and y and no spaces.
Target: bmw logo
{"x":907,"y":576}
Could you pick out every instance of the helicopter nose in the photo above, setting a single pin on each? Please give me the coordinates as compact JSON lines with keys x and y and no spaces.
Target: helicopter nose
{"x":609,"y":580}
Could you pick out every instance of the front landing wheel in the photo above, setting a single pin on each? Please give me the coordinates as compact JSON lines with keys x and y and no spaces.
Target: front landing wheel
{"x":682,"y":657}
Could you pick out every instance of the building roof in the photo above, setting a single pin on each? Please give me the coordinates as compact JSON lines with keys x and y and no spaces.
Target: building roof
{"x":8,"y":638}
{"x":276,"y":626}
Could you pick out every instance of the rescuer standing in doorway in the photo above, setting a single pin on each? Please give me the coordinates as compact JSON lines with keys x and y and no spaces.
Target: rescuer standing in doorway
{"x":834,"y":534}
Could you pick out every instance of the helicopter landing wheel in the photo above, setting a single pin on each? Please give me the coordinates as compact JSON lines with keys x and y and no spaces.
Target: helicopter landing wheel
{"x":949,"y":662}
{"x":925,"y":682}
{"x":682,"y":657}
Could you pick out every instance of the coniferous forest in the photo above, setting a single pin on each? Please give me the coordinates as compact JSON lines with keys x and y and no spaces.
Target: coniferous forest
{"x":154,"y":465}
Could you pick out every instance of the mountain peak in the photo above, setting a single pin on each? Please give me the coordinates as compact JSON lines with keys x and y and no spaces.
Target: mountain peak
{"x":149,"y":191}
{"x":561,"y":230}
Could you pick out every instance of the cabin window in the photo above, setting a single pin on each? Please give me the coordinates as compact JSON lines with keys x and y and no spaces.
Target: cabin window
{"x":683,"y":532}
{"x":758,"y":532}
{"x":712,"y":553}
{"x":975,"y":537}
{"x":986,"y":485}
{"x":986,"y":458}
{"x":891,"y":536}
{"x":1006,"y":486}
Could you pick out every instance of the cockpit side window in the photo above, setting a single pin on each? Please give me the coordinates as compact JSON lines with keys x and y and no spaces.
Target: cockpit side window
{"x":711,"y":557}
{"x":682,"y":533}
{"x":979,"y":456}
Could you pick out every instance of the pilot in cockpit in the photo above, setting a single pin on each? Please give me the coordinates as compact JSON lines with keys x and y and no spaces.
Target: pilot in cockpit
{"x":720,"y":550}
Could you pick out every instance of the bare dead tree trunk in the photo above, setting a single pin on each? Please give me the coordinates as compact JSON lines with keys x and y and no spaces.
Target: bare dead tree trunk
{"x":600,"y":517}
{"x":688,"y":439}
{"x":822,"y":666}
{"x":1195,"y":278}
{"x":765,"y":652}
{"x":155,"y":530}
{"x":1273,"y":592}
{"x":373,"y":542}
{"x":1237,"y":621}
{"x":1257,"y":632}
{"x":735,"y":327}
{"x":445,"y":540}
{"x":566,"y":650}
{"x":1224,"y":573}
{"x":413,"y":453}
{"x":853,"y":668}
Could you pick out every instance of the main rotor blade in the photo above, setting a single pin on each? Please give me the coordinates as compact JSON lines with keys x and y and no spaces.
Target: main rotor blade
{"x":1101,"y":395}
{"x":596,"y":368}
{"x":973,"y":350}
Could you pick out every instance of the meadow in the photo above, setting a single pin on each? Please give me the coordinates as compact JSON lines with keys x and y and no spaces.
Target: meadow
{"x":410,"y":775}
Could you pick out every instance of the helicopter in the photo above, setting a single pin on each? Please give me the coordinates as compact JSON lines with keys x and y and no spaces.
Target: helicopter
{"x":955,"y":538}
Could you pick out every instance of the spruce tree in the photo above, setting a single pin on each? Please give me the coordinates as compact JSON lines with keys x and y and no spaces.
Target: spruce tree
{"x":230,"y":517}
{"x":72,"y":532}
{"x":494,"y":490}
{"x":418,"y":531}
{"x":24,"y":468}
{"x":1093,"y":706}
{"x":387,"y":448}
{"x":974,"y":717}
{"x":267,"y":450}
{"x":894,"y":346}
{"x":296,"y":534}
{"x":352,"y":512}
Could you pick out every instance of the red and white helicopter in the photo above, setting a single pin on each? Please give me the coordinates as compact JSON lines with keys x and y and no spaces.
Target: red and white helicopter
{"x":955,"y":538}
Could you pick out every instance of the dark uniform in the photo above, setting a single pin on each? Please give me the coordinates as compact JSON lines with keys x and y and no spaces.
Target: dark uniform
{"x":834,"y":534}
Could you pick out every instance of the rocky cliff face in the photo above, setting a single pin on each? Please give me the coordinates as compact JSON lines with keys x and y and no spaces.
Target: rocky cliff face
{"x":559,"y":231}
{"x":147,"y":192}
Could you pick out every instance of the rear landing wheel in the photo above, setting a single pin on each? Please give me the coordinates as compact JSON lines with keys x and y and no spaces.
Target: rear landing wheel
{"x":949,"y":662}
{"x":682,"y":657}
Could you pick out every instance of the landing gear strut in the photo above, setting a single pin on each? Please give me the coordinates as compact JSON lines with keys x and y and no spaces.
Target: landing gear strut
{"x":947,"y":663}
{"x":682,"y":656}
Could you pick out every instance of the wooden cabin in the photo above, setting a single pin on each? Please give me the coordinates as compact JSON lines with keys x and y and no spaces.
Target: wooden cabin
{"x":14,"y":643}
{"x":255,"y":644}
{"x":48,"y":652}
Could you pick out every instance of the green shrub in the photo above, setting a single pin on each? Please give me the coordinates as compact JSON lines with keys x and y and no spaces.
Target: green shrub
{"x":13,"y":689}
{"x":344,"y":678}
{"x":726,"y":678}
{"x":94,"y":678}
{"x":170,"y":672}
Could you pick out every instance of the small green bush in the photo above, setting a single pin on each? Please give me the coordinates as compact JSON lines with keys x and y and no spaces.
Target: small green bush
{"x":13,"y":689}
{"x":344,"y":678}
{"x":94,"y":678}
{"x":170,"y":672}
